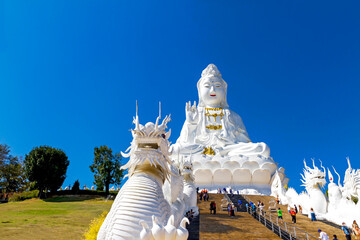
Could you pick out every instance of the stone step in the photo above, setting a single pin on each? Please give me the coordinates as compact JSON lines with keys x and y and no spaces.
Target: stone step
{"x":222,"y":226}
{"x":283,"y":234}
{"x":302,"y":221}
{"x":194,"y":228}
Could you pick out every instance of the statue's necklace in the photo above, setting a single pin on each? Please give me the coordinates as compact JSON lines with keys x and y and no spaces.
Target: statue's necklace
{"x":214,"y":114}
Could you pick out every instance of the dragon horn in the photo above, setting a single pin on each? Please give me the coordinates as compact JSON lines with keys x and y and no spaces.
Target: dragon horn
{"x":313,"y":160}
{"x":306,"y":167}
{"x":159,"y":109}
{"x":136,"y":119}
{"x":338,"y":176}
{"x":322,"y":167}
{"x":348,"y":160}
{"x":158,"y":118}
{"x":157,"y":123}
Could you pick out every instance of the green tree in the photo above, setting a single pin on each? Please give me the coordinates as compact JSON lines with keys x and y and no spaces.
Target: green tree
{"x":47,"y":167}
{"x":4,"y":152}
{"x":12,"y":174}
{"x":76,"y":187}
{"x":106,"y":167}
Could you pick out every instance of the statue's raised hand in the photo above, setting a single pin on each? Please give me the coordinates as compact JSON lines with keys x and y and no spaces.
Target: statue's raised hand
{"x":192,"y":114}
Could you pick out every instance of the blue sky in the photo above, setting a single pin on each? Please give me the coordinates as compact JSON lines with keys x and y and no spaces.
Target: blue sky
{"x":70,"y":73}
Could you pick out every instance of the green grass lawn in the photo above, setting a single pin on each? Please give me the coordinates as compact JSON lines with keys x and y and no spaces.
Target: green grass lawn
{"x":54,"y":218}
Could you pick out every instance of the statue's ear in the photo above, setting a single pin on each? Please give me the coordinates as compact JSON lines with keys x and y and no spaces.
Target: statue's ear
{"x":167,"y":135}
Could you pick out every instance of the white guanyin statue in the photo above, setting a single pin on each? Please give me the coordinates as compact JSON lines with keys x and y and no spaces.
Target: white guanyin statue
{"x":216,"y":139}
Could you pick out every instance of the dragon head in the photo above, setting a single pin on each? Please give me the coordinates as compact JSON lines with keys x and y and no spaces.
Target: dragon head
{"x":186,"y":167}
{"x":313,"y":177}
{"x":149,"y":147}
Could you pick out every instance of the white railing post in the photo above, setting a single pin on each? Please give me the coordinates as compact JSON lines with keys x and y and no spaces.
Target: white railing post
{"x":285,"y":227}
{"x":294,"y":232}
{"x":272,"y":226}
{"x":279,"y":231}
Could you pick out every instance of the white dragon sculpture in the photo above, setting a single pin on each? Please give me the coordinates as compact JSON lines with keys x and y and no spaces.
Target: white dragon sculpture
{"x":334,"y":192}
{"x":351,"y":182}
{"x":189,"y":192}
{"x":140,"y":210}
{"x":313,"y":180}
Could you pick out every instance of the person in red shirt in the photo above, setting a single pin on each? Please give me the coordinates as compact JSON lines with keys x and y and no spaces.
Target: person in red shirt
{"x":293,"y":215}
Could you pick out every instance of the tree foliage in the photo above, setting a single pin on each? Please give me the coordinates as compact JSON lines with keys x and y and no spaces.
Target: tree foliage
{"x":12,"y":174}
{"x":47,"y":167}
{"x":76,"y":187}
{"x":106,"y":167}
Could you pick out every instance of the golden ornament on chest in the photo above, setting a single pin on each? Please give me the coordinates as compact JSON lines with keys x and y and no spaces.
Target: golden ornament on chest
{"x":214,"y":114}
{"x":214,"y":127}
{"x":208,"y":151}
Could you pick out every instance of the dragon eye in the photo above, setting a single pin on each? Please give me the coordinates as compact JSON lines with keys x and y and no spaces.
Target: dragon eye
{"x":163,"y":135}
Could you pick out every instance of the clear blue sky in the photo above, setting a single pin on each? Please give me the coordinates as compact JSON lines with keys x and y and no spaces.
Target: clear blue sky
{"x":70,"y":73}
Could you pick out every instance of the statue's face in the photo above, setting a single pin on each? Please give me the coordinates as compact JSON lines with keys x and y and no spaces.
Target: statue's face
{"x":212,"y":91}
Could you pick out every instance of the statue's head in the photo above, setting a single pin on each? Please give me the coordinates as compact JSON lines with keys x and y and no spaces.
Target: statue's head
{"x":212,"y":88}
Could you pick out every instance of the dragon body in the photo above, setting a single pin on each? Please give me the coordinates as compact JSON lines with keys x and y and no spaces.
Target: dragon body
{"x":140,"y":210}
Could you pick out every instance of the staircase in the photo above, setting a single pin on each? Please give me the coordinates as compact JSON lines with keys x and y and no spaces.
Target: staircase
{"x":193,"y":228}
{"x":304,"y":227}
{"x":222,"y":226}
{"x":281,"y":229}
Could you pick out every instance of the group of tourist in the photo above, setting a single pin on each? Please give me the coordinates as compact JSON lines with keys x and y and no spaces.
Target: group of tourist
{"x":204,"y":195}
{"x":222,"y":191}
{"x":354,"y":228}
{"x":231,"y":192}
{"x":260,"y":206}
{"x":251,"y":207}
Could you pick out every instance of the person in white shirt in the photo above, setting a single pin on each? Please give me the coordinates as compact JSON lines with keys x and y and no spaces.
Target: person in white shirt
{"x":261,"y":208}
{"x":323,"y":235}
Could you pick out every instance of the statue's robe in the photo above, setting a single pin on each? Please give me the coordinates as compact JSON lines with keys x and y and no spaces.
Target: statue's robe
{"x":225,"y":133}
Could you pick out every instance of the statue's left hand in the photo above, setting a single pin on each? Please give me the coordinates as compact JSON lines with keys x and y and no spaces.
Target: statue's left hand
{"x":192,"y":114}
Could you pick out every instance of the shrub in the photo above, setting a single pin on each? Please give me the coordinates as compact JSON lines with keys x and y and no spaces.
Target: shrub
{"x":83,"y":192}
{"x":94,"y":227}
{"x":76,"y":187}
{"x":21,"y":196}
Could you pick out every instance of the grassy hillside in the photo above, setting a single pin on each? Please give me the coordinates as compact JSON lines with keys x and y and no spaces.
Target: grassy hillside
{"x":55,"y":218}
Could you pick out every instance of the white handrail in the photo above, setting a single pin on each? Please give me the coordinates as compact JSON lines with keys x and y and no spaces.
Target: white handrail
{"x":298,"y":233}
